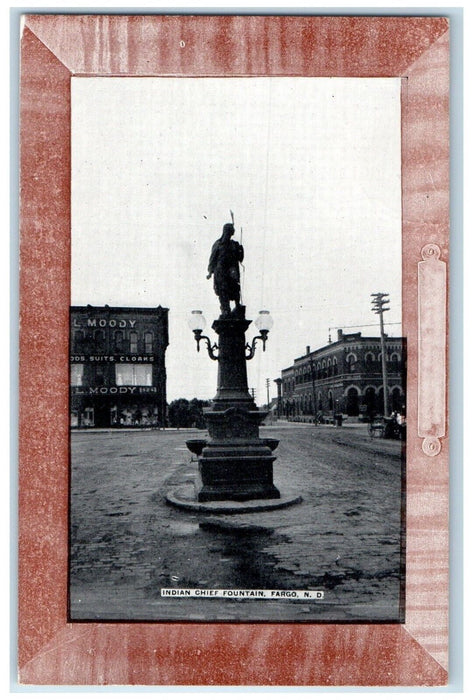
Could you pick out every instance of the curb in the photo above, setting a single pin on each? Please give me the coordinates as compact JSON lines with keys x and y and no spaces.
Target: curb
{"x":183,"y":497}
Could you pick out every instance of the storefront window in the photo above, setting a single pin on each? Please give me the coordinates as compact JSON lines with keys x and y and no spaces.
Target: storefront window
{"x":133,"y":375}
{"x":77,"y":373}
{"x":88,"y":419}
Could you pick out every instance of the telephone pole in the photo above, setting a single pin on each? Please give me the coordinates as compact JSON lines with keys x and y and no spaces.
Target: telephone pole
{"x":378,"y":302}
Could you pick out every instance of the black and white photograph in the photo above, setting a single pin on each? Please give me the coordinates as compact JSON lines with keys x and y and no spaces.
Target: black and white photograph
{"x":237,"y":360}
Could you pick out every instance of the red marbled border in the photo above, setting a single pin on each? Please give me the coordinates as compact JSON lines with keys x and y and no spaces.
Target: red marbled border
{"x":52,"y":651}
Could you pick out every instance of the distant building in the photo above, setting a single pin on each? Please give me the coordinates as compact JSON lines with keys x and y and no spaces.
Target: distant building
{"x":344,"y":377}
{"x":117,"y":361}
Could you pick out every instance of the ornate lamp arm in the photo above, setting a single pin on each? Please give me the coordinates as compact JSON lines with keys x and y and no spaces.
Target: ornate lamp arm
{"x":252,"y":348}
{"x":210,"y":348}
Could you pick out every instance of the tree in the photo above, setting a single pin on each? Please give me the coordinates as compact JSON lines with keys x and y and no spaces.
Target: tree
{"x":196,"y":407}
{"x":186,"y":414}
{"x":178,"y":413}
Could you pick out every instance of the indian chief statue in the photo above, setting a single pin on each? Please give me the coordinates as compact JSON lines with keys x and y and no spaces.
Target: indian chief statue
{"x":225,"y":257}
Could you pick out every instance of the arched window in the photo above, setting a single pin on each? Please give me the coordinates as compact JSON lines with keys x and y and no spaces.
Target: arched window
{"x":99,"y":340}
{"x":380,"y":401}
{"x":352,"y":401}
{"x":397,"y":399}
{"x":118,"y":340}
{"x":133,"y":342}
{"x":351,"y":360}
{"x":330,"y":401}
{"x":369,"y":357}
{"x":77,"y":341}
{"x":335,"y":366}
{"x":370,"y":401}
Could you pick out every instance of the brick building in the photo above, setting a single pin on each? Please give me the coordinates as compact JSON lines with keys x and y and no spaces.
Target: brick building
{"x":117,"y":360}
{"x":344,"y":376}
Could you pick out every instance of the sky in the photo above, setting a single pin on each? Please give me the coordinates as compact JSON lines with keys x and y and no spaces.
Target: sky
{"x":309,"y":166}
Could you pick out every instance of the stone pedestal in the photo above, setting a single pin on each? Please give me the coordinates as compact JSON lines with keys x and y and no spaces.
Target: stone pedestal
{"x":236,"y":464}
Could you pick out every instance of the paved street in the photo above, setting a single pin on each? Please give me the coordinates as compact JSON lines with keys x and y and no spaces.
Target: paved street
{"x":344,"y":538}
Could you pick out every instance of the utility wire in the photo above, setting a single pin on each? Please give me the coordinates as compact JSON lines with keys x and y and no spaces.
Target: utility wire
{"x":365,"y":325}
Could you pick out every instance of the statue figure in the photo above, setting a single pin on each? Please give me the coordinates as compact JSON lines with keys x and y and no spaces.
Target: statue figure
{"x":224,"y":266}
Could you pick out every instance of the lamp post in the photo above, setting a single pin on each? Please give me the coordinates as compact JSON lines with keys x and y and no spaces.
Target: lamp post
{"x":235,"y":464}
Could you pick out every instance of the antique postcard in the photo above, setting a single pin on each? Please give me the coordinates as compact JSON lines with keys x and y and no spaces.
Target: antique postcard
{"x":239,"y":244}
{"x":311,"y":170}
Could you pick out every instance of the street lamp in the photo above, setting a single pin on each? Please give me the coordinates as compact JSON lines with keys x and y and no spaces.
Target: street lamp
{"x":263,"y":323}
{"x":197,"y":324}
{"x":197,"y":321}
